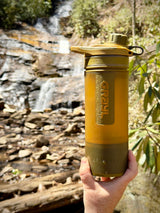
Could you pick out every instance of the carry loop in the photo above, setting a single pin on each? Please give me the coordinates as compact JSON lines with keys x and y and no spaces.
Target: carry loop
{"x":136,"y":47}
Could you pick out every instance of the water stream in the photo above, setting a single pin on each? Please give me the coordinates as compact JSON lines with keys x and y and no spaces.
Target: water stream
{"x":45,"y":95}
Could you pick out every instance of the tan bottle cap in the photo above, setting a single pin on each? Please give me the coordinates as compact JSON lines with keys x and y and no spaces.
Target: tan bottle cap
{"x":118,"y":39}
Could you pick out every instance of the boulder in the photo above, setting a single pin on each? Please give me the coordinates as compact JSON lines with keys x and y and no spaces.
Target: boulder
{"x":24,"y":153}
{"x":72,"y":129}
{"x":38,"y":119}
{"x":41,"y":141}
{"x":40,"y":155}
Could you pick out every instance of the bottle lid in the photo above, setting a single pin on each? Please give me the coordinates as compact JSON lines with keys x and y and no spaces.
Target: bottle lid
{"x":118,"y":39}
{"x":117,"y":45}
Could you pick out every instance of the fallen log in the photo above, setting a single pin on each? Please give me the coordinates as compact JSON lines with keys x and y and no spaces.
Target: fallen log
{"x":28,"y":186}
{"x":49,"y":199}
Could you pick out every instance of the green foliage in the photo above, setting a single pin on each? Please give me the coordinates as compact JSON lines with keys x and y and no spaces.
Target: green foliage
{"x":84,"y":18}
{"x":16,"y":172}
{"x":11,"y":12}
{"x":147,"y":145}
{"x":150,"y":23}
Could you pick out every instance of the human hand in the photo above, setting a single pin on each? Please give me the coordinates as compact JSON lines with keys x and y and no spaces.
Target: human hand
{"x":103,"y":196}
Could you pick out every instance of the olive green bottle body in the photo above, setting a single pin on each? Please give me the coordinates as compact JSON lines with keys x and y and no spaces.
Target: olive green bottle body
{"x":106,"y":118}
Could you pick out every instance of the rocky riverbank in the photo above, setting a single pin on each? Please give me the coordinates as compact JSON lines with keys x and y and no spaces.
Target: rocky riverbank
{"x":40,"y":154}
{"x":34,"y":144}
{"x":32,"y":67}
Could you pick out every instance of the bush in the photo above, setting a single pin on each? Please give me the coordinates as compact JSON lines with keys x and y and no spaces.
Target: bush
{"x":147,"y":132}
{"x":12,"y":12}
{"x":84,"y":18}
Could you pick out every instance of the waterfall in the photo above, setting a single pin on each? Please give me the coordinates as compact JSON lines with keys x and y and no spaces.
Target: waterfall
{"x":45,"y":95}
{"x":74,"y":63}
{"x":52,"y":26}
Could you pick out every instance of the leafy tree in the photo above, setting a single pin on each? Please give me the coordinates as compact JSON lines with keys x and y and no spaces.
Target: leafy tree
{"x":147,"y":132}
{"x":11,"y":12}
{"x":84,"y":18}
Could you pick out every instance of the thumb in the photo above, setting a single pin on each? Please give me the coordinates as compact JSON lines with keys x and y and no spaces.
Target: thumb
{"x":85,"y":174}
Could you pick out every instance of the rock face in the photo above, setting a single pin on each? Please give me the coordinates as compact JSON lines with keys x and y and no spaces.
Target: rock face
{"x":34,"y":75}
{"x":142,"y":195}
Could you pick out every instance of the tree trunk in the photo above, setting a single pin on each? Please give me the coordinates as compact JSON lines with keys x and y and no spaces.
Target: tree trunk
{"x":134,"y":21}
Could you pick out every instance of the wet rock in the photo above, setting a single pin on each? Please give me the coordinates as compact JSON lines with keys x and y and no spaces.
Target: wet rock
{"x":48,"y":127}
{"x":30,"y":125}
{"x":15,"y":139}
{"x":11,"y":135}
{"x":39,"y":168}
{"x":3,"y":140}
{"x":70,"y":152}
{"x":18,"y":115}
{"x":24,"y":153}
{"x":53,"y":157}
{"x":13,"y":157}
{"x":6,"y":169}
{"x":72,"y":128}
{"x":12,"y":150}
{"x":4,"y":115}
{"x":16,"y":119}
{"x":44,"y":66}
{"x":28,"y":142}
{"x":38,"y":118}
{"x":18,"y":130}
{"x":69,"y":96}
{"x":7,"y":177}
{"x":63,"y":162}
{"x":79,"y":111}
{"x":41,"y":141}
{"x":9,"y":109}
{"x":21,"y":165}
{"x":60,"y":157}
{"x":57,"y":137}
{"x":40,"y":155}
{"x":63,"y":111}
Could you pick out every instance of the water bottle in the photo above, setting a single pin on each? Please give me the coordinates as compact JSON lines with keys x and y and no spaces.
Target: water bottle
{"x":106,"y":105}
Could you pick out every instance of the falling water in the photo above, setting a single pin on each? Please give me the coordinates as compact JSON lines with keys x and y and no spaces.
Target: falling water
{"x":53,"y":26}
{"x":45,"y":95}
{"x":75,"y":62}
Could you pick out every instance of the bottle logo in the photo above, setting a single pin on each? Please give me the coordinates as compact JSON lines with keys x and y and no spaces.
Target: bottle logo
{"x":105,"y":98}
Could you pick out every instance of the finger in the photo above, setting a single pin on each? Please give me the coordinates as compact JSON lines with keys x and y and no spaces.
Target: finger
{"x":132,"y":170}
{"x":85,"y":174}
